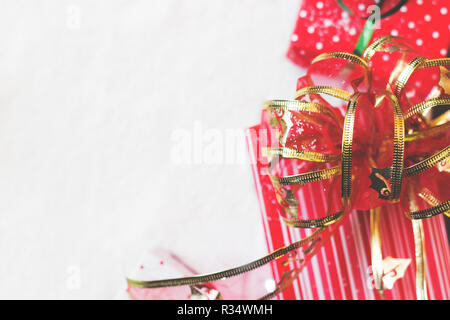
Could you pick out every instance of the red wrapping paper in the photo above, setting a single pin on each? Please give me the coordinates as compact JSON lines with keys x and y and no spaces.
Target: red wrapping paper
{"x":323,"y":26}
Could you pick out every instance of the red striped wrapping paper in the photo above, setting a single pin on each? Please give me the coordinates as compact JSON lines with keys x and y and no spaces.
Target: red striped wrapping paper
{"x":341,"y":269}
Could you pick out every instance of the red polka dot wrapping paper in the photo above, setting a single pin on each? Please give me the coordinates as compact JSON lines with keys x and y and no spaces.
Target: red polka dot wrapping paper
{"x":324,"y":26}
{"x":341,"y":269}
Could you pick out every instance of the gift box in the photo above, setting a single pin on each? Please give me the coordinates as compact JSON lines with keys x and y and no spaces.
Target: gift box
{"x":341,"y":269}
{"x":335,"y":25}
{"x":363,"y":157}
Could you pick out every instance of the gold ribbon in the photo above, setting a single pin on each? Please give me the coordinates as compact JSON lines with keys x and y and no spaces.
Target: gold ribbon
{"x":347,"y":145}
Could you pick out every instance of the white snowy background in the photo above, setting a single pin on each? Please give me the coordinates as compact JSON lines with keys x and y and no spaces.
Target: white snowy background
{"x":92,"y":94}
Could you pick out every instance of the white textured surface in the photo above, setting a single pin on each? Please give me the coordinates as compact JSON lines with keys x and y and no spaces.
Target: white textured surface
{"x":88,"y":108}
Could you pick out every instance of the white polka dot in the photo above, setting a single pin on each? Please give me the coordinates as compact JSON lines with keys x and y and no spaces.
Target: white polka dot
{"x":361,"y":6}
{"x":419,"y":2}
{"x":294,"y":37}
{"x":327,"y":23}
{"x":444,"y":10}
{"x":345,"y":14}
{"x":419,"y":42}
{"x":443,"y":51}
{"x":418,"y":83}
{"x":403,"y":9}
{"x":352,"y":31}
{"x":385,"y":57}
{"x":435,"y":34}
{"x":394,"y":32}
{"x":427,"y":17}
{"x":319,"y":45}
{"x":335,"y":39}
{"x":319,"y":5}
{"x":411,"y":25}
{"x":310,"y":29}
{"x":302,"y":52}
{"x":303,"y":14}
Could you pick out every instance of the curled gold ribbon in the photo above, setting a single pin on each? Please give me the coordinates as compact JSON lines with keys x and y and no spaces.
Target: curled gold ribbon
{"x":308,"y":177}
{"x":350,"y":58}
{"x":347,"y":142}
{"x":428,"y":163}
{"x":427,"y":104}
{"x":415,"y":64}
{"x":430,"y":212}
{"x":296,"y":105}
{"x":300,"y":154}
{"x":406,"y":73}
{"x":334,"y":92}
{"x":399,"y":142}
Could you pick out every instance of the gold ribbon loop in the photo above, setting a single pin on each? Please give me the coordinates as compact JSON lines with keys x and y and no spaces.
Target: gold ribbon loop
{"x":299,"y":154}
{"x":427,"y":104}
{"x":413,"y":65}
{"x":427,"y":163}
{"x":347,"y":145}
{"x":334,"y":92}
{"x":297,"y":106}
{"x":430,"y":212}
{"x":314,"y":223}
{"x":376,"y":45}
{"x":399,"y":146}
{"x":308,"y":177}
{"x":436,"y":63}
